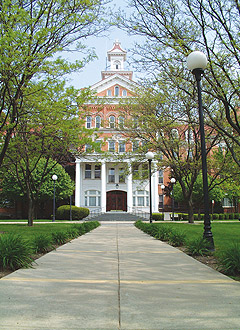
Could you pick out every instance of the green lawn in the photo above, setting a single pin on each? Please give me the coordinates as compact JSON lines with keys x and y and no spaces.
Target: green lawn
{"x":223,"y":233}
{"x":28,"y":232}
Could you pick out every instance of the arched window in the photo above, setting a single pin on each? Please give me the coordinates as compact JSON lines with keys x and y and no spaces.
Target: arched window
{"x":116,"y":91}
{"x":98,"y":121}
{"x":124,"y":92}
{"x":117,"y":65}
{"x":109,"y":92}
{"x":112,"y":122}
{"x":92,"y":198}
{"x":89,"y":122}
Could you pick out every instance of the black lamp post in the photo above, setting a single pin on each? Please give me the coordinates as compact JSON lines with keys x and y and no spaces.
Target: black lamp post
{"x":150,"y":156}
{"x":54,"y":177}
{"x":162,"y":187}
{"x":197,"y":62}
{"x":173,"y":181}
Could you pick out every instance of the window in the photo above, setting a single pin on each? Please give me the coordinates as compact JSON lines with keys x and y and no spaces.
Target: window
{"x":135,"y":171}
{"x":120,"y":122}
{"x":121,"y":146}
{"x":89,"y":122}
{"x":111,"y":146}
{"x":112,"y":122}
{"x":88,"y":171}
{"x":111,"y":175}
{"x":92,"y":198}
{"x":97,"y":172}
{"x":227,"y":202}
{"x":140,"y":198}
{"x":116,"y":91}
{"x":135,"y":145}
{"x":98,"y":144}
{"x":88,"y":147}
{"x":124,"y":92}
{"x":175,"y":134}
{"x":160,"y":176}
{"x":109,"y":92}
{"x":98,"y":122}
{"x":117,"y":65}
{"x":121,"y":175}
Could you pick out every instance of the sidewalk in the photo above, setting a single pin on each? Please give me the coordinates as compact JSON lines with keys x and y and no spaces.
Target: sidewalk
{"x":117,"y":277}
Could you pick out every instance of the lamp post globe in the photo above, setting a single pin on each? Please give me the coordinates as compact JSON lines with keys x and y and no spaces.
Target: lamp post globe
{"x":197,"y":60}
{"x":149,"y":155}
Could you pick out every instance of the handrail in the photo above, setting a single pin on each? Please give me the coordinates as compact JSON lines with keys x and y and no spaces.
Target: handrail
{"x":94,"y":213}
{"x":140,"y":213}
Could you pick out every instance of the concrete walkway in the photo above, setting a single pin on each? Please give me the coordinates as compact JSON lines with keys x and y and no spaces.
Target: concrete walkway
{"x":117,"y":277}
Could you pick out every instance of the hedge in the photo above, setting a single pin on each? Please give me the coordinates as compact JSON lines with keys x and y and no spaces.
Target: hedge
{"x":78,"y":213}
{"x":157,"y":216}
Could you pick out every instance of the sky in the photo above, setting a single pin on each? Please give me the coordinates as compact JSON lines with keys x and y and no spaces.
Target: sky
{"x":91,"y":73}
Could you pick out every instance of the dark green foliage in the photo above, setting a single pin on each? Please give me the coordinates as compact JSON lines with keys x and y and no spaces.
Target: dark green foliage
{"x":198,"y":247}
{"x":229,"y":260}
{"x":177,"y":238}
{"x":78,"y":213}
{"x":15,"y":252}
{"x":42,"y":244}
{"x":80,"y":229}
{"x":72,"y":233}
{"x":59,"y":237}
{"x":162,"y":232}
{"x":157,"y":216}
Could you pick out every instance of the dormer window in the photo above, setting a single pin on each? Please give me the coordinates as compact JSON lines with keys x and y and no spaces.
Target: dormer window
{"x":116,"y":91}
{"x":124,"y":92}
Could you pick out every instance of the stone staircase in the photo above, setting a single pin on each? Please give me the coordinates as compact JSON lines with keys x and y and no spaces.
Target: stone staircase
{"x":116,"y":216}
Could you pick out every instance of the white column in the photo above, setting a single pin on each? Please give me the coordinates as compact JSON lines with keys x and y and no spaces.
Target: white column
{"x":129,"y":189}
{"x":78,"y":183}
{"x":103,"y":187}
{"x":155,"y":197}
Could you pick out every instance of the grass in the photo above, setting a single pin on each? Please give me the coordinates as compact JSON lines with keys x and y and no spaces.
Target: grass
{"x":29,"y":232}
{"x":224,"y":234}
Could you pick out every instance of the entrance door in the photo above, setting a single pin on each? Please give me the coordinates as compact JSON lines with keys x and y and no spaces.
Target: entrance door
{"x":116,"y":200}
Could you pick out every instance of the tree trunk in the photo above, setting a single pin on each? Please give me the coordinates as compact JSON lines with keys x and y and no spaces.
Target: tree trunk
{"x":31,"y":210}
{"x":190,"y":211}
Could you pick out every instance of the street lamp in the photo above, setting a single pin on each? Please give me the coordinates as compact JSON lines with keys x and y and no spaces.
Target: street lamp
{"x":197,"y":62}
{"x":162,"y":187}
{"x":173,"y":181}
{"x":150,"y":156}
{"x":54,"y":177}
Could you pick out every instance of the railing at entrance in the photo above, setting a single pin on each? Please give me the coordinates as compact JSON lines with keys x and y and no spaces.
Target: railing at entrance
{"x":140,"y":213}
{"x":94,"y":213}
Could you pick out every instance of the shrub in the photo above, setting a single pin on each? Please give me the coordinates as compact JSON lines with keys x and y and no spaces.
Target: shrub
{"x":78,"y":213}
{"x":198,"y":247}
{"x":229,"y":260}
{"x":157,"y":216}
{"x":163,"y":233}
{"x":59,"y":237}
{"x":42,"y":244}
{"x":215,"y":216}
{"x":236,"y":216}
{"x":221,"y":216}
{"x":185,"y":216}
{"x":231,"y":216}
{"x":226,"y":216}
{"x":195,"y":217}
{"x":15,"y":252}
{"x":72,"y":233}
{"x":177,"y":238}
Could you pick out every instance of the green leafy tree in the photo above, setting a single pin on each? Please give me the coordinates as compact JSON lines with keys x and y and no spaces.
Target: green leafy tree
{"x":32,"y":34}
{"x":19,"y":184}
{"x":49,"y":128}
{"x":171,"y":30}
{"x":172,"y":131}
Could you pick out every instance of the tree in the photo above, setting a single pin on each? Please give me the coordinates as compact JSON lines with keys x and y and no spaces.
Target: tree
{"x":48,"y":128}
{"x":175,"y":28}
{"x":17,"y":184}
{"x":173,"y":133}
{"x":32,"y":34}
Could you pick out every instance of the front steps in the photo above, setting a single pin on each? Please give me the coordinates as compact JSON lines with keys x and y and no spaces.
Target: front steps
{"x":116,"y":216}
